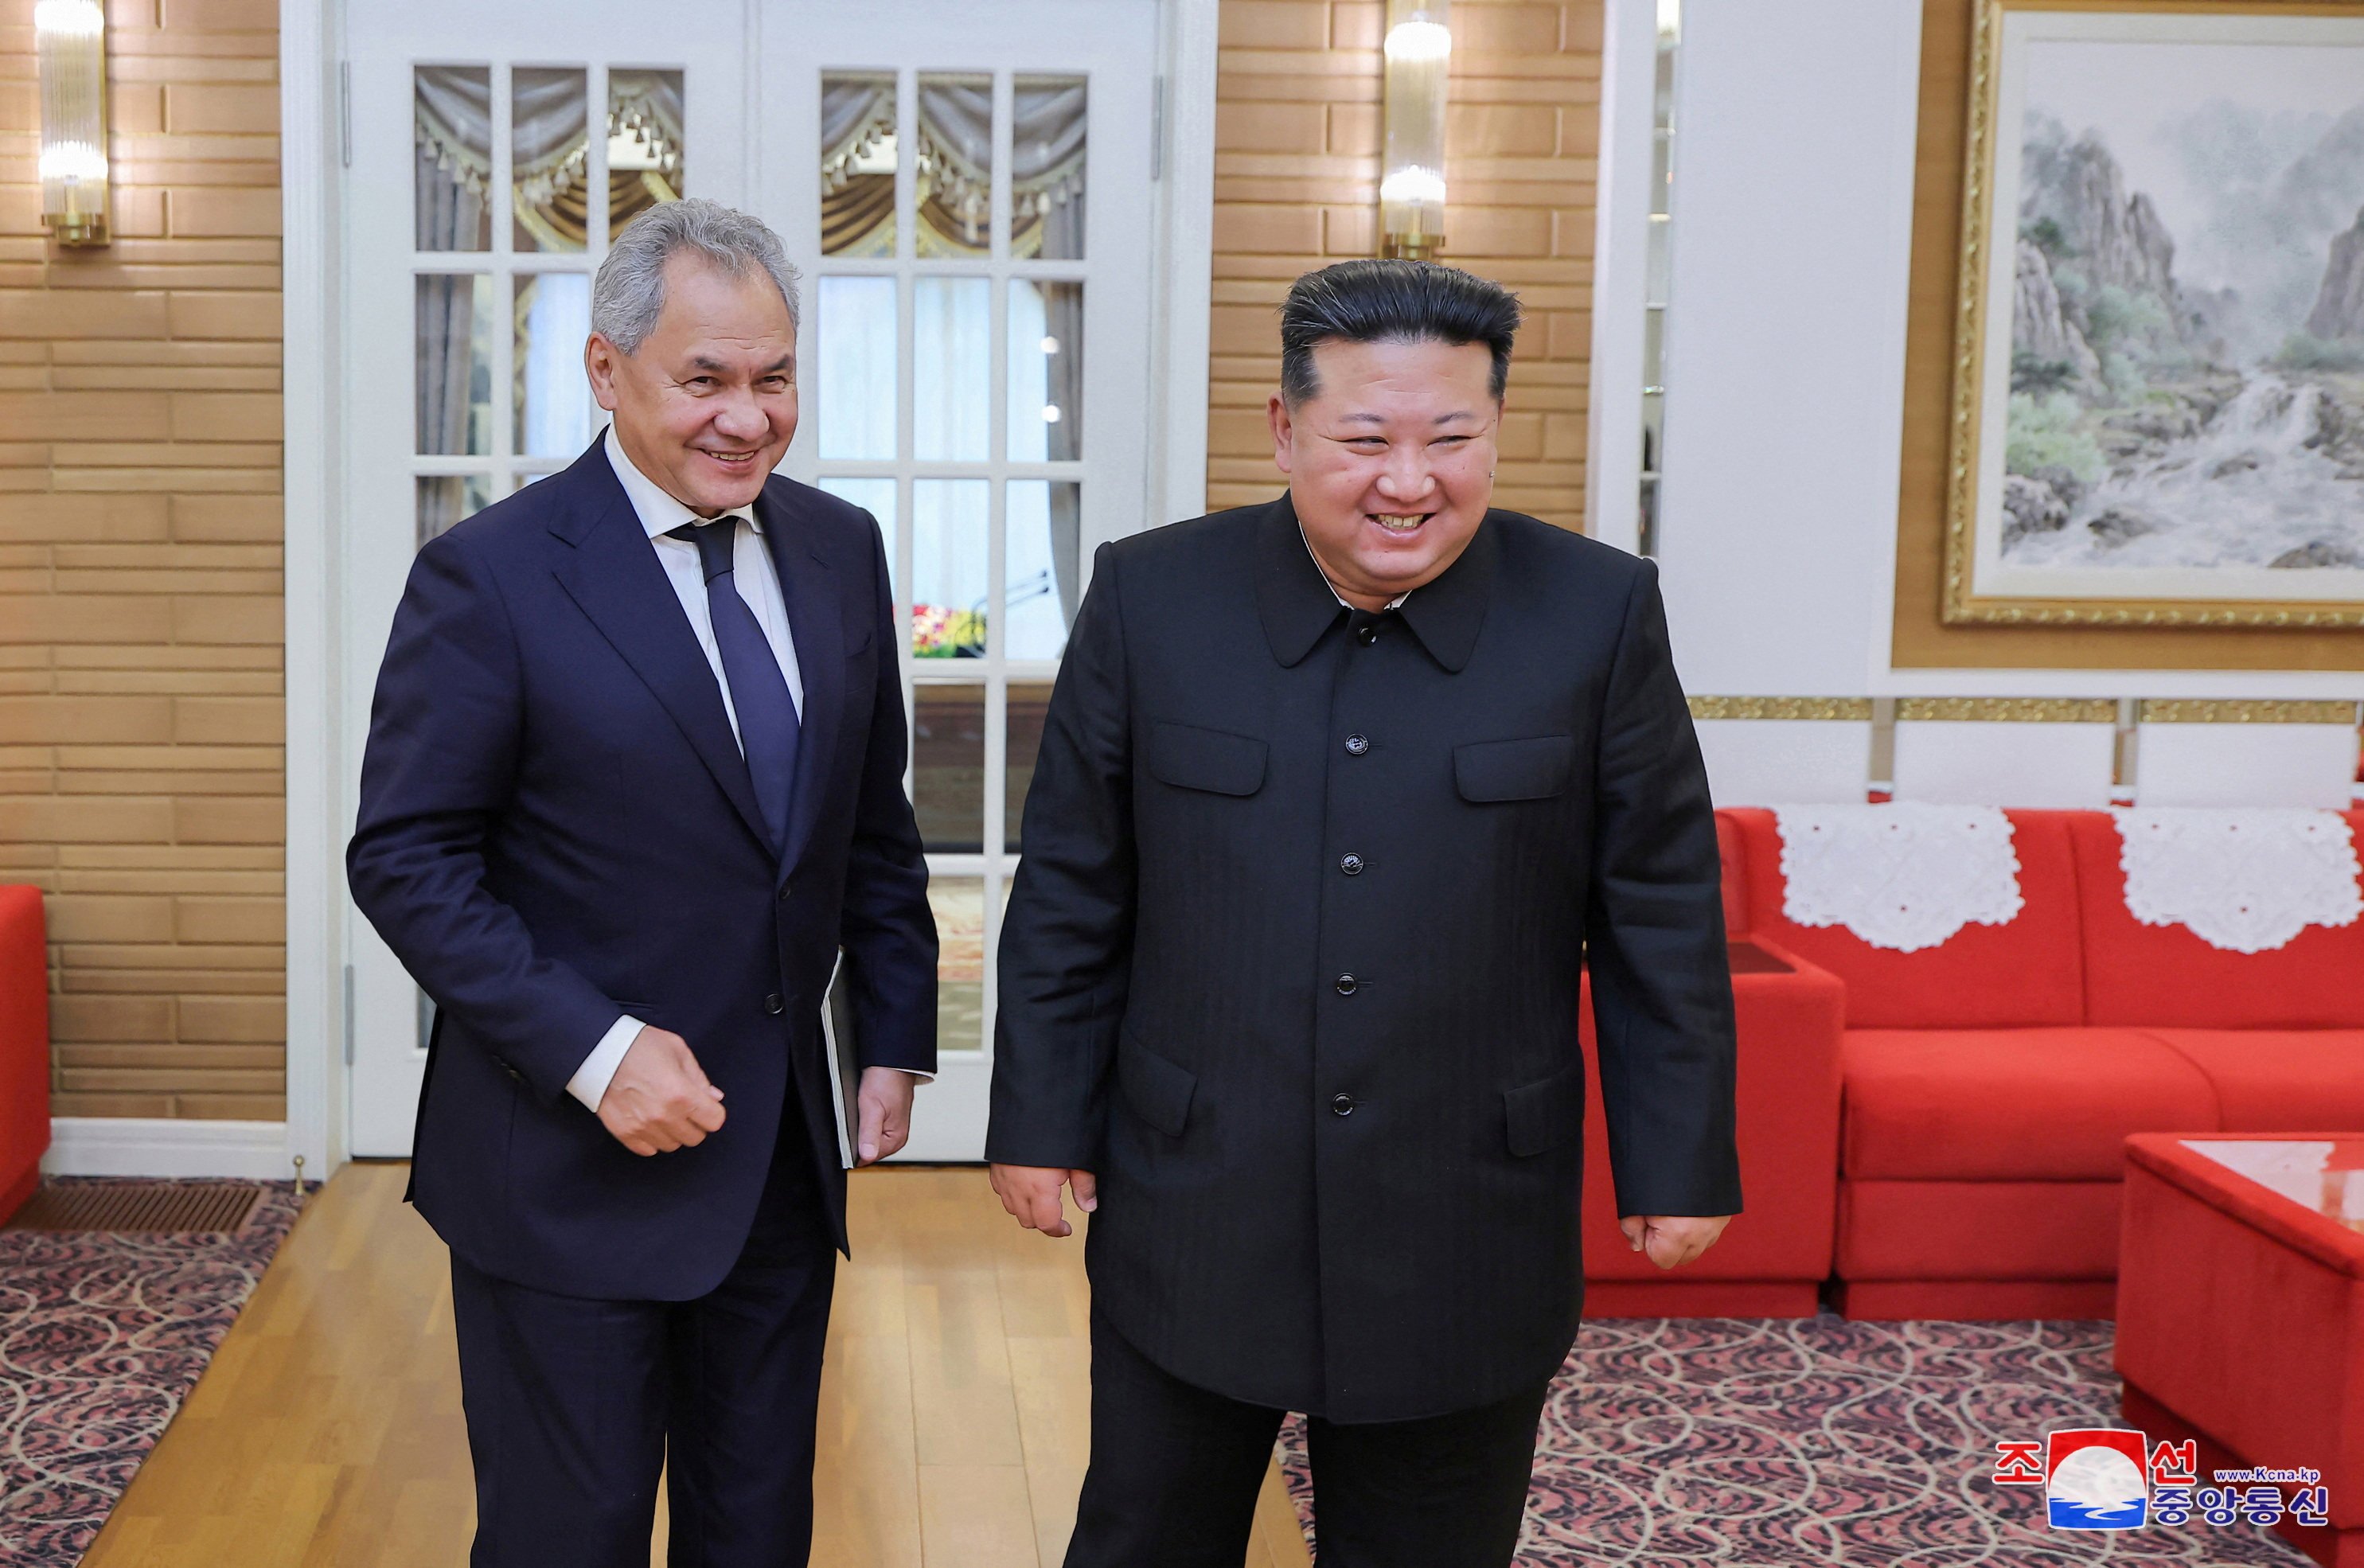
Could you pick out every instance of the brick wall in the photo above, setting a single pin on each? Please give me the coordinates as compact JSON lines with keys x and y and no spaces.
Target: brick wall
{"x":1296,"y":173}
{"x":142,"y":781}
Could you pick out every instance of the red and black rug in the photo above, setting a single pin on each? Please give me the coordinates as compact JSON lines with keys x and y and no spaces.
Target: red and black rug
{"x":103,"y":1333}
{"x":1745,"y":1441}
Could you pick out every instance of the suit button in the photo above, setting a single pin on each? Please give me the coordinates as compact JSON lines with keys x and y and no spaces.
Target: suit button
{"x":774,"y":1005}
{"x":1342,"y":1105}
{"x":1352,"y":865}
{"x":1368,"y":635}
{"x":1357,"y":744}
{"x":784,"y":896}
{"x":1345,"y":984}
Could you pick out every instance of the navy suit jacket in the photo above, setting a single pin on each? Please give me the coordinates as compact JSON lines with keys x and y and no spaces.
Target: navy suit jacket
{"x":556,"y":827}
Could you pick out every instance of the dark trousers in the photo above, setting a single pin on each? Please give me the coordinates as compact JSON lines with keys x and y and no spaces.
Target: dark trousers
{"x":575,"y":1406}
{"x":1175,"y":1470}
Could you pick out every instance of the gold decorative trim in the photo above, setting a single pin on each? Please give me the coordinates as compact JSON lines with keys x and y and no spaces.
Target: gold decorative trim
{"x":1957,"y":606}
{"x":2008,"y":710}
{"x":1969,"y":313}
{"x":2180,"y":710}
{"x":1857,"y":709}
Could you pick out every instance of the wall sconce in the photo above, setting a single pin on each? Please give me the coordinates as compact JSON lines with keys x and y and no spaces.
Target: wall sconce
{"x":69,"y":42}
{"x":1418,"y":47}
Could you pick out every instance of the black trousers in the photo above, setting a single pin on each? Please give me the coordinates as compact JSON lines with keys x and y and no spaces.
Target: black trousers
{"x":1175,"y":1469}
{"x":575,"y":1406}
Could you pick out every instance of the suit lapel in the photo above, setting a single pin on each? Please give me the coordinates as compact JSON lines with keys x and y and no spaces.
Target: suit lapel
{"x":614,"y":576}
{"x":809,"y":587}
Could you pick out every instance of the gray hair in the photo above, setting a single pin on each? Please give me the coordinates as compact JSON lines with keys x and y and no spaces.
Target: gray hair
{"x":629,"y":293}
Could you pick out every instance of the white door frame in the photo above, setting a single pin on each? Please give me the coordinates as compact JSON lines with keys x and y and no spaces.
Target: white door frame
{"x":319,"y":796}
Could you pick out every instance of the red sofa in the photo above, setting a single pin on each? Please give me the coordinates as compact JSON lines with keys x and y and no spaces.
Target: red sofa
{"x":1772,"y":1262}
{"x":23,"y":1046}
{"x":1990,"y":1082}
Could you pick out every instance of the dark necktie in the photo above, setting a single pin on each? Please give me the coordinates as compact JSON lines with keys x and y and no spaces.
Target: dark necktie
{"x":769,"y":730}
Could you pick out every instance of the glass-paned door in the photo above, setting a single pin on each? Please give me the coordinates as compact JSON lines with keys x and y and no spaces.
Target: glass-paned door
{"x":493,"y":154}
{"x":976,"y":216}
{"x":969,"y":194}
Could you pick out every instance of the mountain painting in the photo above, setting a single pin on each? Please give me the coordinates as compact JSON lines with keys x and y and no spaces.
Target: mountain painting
{"x":2170,"y":406}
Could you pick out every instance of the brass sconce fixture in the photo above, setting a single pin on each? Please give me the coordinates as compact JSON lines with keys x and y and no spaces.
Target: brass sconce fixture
{"x":1418,"y":48}
{"x":69,"y":42}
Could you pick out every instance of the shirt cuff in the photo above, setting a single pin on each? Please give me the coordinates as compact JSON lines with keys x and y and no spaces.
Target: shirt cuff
{"x":589,"y":1083}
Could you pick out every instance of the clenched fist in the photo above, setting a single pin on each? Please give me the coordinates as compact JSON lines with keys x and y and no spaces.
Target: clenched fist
{"x":1030,"y":1193}
{"x":1671,"y":1241}
{"x":659,"y":1100}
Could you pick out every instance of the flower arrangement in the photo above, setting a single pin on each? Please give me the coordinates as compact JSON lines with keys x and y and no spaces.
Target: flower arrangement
{"x":938,"y":632}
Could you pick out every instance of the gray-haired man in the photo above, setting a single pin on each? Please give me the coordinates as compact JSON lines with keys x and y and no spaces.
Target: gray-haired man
{"x":634,"y":775}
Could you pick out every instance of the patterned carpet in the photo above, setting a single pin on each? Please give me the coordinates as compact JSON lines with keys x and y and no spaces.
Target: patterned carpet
{"x":1741,"y":1441}
{"x":102,"y":1336}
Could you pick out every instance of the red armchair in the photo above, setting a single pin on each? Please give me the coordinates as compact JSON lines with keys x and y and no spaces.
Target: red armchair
{"x":23,"y":1046}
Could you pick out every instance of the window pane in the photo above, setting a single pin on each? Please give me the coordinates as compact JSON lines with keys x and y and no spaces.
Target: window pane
{"x":446,"y":498}
{"x":1044,"y":519}
{"x":555,"y":415}
{"x":454,"y":325}
{"x":452,"y":126}
{"x":1028,"y":701}
{"x":949,"y":532}
{"x":951,"y":367}
{"x":857,"y":165}
{"x":948,"y":765}
{"x":1046,"y":372}
{"x":856,"y":333}
{"x":955,"y":165}
{"x":549,"y":150}
{"x":1046,"y":168}
{"x":644,"y":142}
{"x":958,"y":904}
{"x":876,"y":496}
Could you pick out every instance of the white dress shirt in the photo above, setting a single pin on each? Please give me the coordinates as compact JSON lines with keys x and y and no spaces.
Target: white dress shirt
{"x":1394,"y":604}
{"x":759,"y":584}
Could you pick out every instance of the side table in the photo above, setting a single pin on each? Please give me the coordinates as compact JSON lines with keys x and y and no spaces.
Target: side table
{"x":2241,"y":1311}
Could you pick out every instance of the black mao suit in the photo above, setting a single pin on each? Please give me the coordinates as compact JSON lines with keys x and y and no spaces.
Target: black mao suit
{"x":1292,"y":960}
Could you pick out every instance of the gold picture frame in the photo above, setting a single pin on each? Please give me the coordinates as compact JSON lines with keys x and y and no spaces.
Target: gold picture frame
{"x":2086,"y":584}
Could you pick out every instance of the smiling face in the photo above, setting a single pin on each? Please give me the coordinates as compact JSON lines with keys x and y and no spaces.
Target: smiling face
{"x":1390,"y":462}
{"x":707,"y":406}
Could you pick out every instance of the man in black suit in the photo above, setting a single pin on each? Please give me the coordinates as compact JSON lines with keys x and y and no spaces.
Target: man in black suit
{"x":634,"y":777}
{"x":1336,"y":797}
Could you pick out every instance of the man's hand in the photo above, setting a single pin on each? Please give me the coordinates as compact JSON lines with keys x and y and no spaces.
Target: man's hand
{"x":659,"y":1100}
{"x":885,"y":1102}
{"x":1672,"y":1240}
{"x":1030,"y":1193}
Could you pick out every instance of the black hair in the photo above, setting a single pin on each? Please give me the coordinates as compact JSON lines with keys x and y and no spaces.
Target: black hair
{"x":1376,"y":300}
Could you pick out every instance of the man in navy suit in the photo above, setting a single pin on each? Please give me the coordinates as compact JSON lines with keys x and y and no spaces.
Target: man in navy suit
{"x":634,"y":780}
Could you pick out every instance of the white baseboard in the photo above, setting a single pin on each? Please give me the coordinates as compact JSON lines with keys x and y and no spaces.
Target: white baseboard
{"x":166,"y":1146}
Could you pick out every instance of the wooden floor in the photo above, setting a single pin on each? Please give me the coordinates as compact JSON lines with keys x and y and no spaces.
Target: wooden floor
{"x":953,"y":1422}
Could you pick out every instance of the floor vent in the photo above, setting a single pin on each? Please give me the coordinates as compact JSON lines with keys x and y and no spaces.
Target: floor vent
{"x":209,"y":1206}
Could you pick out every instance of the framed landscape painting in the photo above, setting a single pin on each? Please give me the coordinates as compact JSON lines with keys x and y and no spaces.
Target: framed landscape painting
{"x":2158,"y":378}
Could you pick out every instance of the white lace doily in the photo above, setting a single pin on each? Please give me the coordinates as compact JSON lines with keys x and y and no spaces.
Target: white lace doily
{"x":1904,"y":875}
{"x":2242,"y":880}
